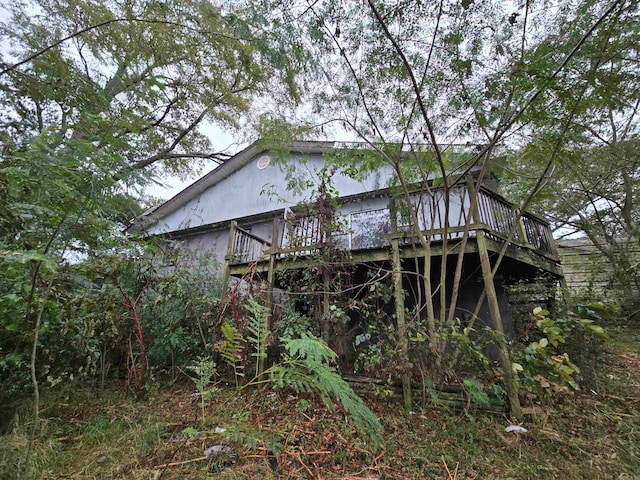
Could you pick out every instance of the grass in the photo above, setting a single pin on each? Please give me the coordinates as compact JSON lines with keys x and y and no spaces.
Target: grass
{"x":592,"y":434}
{"x":78,"y":436}
{"x":624,"y":339}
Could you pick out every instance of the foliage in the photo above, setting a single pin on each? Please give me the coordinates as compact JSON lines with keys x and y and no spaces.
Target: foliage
{"x":257,"y":332}
{"x":182,"y":306}
{"x":475,"y":391}
{"x":594,"y":195}
{"x":293,"y":324}
{"x":584,"y":140}
{"x":375,"y":342}
{"x":444,"y":73}
{"x":92,"y":97}
{"x":107,"y":433}
{"x":313,"y":231}
{"x":204,"y":370}
{"x":230,"y":349}
{"x":59,"y":206}
{"x":542,"y":364}
{"x":376,"y":351}
{"x":307,"y":368}
{"x":134,"y":78}
{"x":244,"y":339}
{"x":84,"y":333}
{"x":470,"y":347}
{"x":307,"y":365}
{"x":133,"y":91}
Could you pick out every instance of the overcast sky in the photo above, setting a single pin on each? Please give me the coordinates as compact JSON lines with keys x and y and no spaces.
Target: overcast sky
{"x":171,"y":185}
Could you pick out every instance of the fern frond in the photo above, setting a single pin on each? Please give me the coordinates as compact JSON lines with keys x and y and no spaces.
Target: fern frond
{"x":310,"y":348}
{"x":308,"y":370}
{"x":330,"y":382}
{"x":257,"y":328}
{"x":230,"y":349}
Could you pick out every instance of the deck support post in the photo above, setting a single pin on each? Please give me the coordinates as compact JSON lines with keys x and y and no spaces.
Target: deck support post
{"x":403,"y":339}
{"x":504,"y":356}
{"x":227,"y":260}
{"x":273,"y":256}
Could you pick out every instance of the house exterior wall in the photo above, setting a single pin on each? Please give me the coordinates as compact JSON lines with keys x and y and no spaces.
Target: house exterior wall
{"x":242,"y":194}
{"x":215,"y":241}
{"x":212,"y":242}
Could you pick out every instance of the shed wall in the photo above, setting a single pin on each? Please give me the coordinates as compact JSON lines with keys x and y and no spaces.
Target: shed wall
{"x":586,"y":269}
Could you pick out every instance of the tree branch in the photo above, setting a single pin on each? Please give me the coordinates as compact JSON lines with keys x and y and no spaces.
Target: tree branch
{"x":560,"y":67}
{"x":416,"y":89}
{"x":354,"y":74}
{"x":108,"y":22}
{"x":162,"y":155}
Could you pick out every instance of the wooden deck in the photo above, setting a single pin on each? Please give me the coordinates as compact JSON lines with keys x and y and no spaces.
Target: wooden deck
{"x":368,"y":235}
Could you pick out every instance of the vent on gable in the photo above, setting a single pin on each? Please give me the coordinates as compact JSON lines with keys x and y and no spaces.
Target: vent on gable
{"x":263,"y":162}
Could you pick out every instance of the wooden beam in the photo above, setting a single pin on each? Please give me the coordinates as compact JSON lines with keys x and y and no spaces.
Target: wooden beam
{"x":525,"y":255}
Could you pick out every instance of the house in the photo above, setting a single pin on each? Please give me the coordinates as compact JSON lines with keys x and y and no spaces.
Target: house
{"x":247,"y":214}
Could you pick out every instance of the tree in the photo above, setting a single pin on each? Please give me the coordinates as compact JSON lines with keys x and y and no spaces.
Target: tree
{"x":139,"y":78}
{"x":97,"y":97}
{"x":400,"y":75}
{"x":584,"y":135}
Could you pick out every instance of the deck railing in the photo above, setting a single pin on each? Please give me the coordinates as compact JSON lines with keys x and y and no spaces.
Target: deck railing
{"x":497,"y":214}
{"x":497,"y":217}
{"x":538,"y":233}
{"x":248,"y":247}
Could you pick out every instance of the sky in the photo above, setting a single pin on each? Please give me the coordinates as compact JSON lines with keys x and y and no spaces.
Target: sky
{"x":171,"y":185}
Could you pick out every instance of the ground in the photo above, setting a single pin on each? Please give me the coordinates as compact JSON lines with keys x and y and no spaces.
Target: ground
{"x":594,"y":433}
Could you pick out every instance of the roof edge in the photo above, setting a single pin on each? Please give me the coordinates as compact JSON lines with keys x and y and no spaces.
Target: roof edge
{"x":153,"y":215}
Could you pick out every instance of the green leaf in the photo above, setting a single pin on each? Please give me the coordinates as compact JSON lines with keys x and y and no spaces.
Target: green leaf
{"x":12,"y":327}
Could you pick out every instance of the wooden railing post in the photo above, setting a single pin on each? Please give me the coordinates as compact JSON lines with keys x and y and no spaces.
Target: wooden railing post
{"x":524,"y":238}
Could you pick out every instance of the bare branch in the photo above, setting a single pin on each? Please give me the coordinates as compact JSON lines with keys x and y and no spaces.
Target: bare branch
{"x":426,"y":69}
{"x":353,"y":73}
{"x":163,"y":155}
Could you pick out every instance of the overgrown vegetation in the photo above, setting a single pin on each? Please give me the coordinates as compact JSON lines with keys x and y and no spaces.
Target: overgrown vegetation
{"x":98,"y":334}
{"x":274,"y":433}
